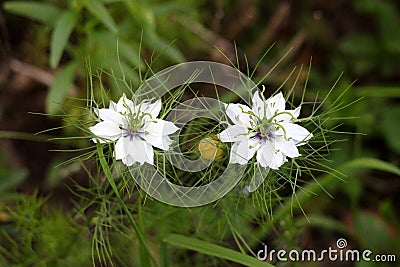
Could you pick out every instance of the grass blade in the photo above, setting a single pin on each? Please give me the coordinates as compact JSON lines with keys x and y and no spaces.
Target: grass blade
{"x":214,"y":250}
{"x":373,"y":164}
{"x":329,"y":182}
{"x":164,"y":262}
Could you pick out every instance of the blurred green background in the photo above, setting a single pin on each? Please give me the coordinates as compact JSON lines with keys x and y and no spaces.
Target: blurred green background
{"x":45,"y":52}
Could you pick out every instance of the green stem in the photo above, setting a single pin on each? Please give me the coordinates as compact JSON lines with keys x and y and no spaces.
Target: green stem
{"x":24,"y":136}
{"x":136,"y":228}
{"x":143,"y":257}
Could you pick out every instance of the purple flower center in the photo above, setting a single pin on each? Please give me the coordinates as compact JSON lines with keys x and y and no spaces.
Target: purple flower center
{"x":129,"y":133}
{"x":268,"y":136}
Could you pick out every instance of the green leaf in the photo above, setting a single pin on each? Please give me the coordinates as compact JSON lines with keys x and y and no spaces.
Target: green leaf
{"x":391,"y":129}
{"x":363,"y":50}
{"x":142,"y":14}
{"x":372,"y":232}
{"x":131,"y":53}
{"x":59,"y":89}
{"x":361,"y":45}
{"x":56,"y":173}
{"x":112,"y":1}
{"x":329,"y":183}
{"x":9,"y":178}
{"x":371,"y":164}
{"x":61,"y":33}
{"x":170,"y":7}
{"x":378,"y":91}
{"x":101,"y":13}
{"x":323,"y":222}
{"x":214,"y":250}
{"x":42,"y":12}
{"x":117,"y":57}
{"x":165,"y":49}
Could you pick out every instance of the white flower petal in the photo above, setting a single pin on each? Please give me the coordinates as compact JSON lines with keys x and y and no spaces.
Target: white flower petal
{"x":268,"y":156}
{"x":110,"y":115}
{"x":120,"y":149}
{"x":235,"y":157}
{"x":107,"y":130}
{"x":113,"y":106}
{"x":240,"y":115}
{"x":166,"y":142}
{"x":278,"y":160}
{"x":138,"y":149}
{"x":234,"y":133}
{"x":128,"y":160}
{"x":253,"y":145}
{"x":282,"y":118}
{"x":150,"y":154}
{"x":161,"y":142}
{"x":159,"y":127}
{"x":275,"y":105}
{"x":259,"y":106}
{"x":101,"y":141}
{"x":287,"y":147}
{"x":152,"y":108}
{"x":125,"y":105}
{"x":265,"y":154}
{"x":133,"y":149}
{"x":287,"y":115}
{"x":295,"y":112}
{"x":296,"y":132}
{"x":277,"y":102}
{"x":242,"y":152}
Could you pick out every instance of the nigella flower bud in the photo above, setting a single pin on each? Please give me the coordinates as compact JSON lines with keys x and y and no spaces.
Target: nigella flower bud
{"x":210,"y":149}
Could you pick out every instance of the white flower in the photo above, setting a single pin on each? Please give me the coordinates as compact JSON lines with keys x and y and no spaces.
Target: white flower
{"x":267,"y":128}
{"x":135,"y":128}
